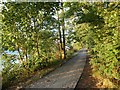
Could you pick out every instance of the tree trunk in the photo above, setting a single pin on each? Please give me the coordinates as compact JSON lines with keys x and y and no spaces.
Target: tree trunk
{"x":60,"y":35}
{"x":21,"y":59}
{"x":63,"y":30}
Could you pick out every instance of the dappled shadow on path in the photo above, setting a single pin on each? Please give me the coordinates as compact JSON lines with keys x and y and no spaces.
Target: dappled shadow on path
{"x":65,"y":76}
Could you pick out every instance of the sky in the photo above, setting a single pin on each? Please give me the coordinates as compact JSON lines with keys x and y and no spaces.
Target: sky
{"x":1,"y":7}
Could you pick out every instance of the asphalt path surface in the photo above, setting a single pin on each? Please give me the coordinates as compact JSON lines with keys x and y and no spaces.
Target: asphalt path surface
{"x":65,"y":76}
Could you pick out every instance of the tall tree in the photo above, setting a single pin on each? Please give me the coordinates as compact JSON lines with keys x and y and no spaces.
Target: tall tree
{"x":63,"y":30}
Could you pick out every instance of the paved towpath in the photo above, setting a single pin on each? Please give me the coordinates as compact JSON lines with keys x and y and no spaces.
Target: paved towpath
{"x":65,"y":76}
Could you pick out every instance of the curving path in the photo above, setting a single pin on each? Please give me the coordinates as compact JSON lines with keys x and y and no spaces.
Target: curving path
{"x":65,"y":76}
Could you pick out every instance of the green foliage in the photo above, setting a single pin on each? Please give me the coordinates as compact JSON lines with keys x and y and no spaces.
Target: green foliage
{"x":27,"y":29}
{"x":39,"y":32}
{"x":105,"y":50}
{"x":96,"y":27}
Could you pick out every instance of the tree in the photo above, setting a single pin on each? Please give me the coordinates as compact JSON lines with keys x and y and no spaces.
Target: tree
{"x":27,"y":29}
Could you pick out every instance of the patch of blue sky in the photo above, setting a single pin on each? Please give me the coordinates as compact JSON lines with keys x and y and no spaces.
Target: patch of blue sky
{"x":12,"y":61}
{"x":11,"y":52}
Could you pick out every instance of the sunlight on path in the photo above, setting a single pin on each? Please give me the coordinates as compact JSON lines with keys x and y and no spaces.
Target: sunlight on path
{"x":66,"y":76}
